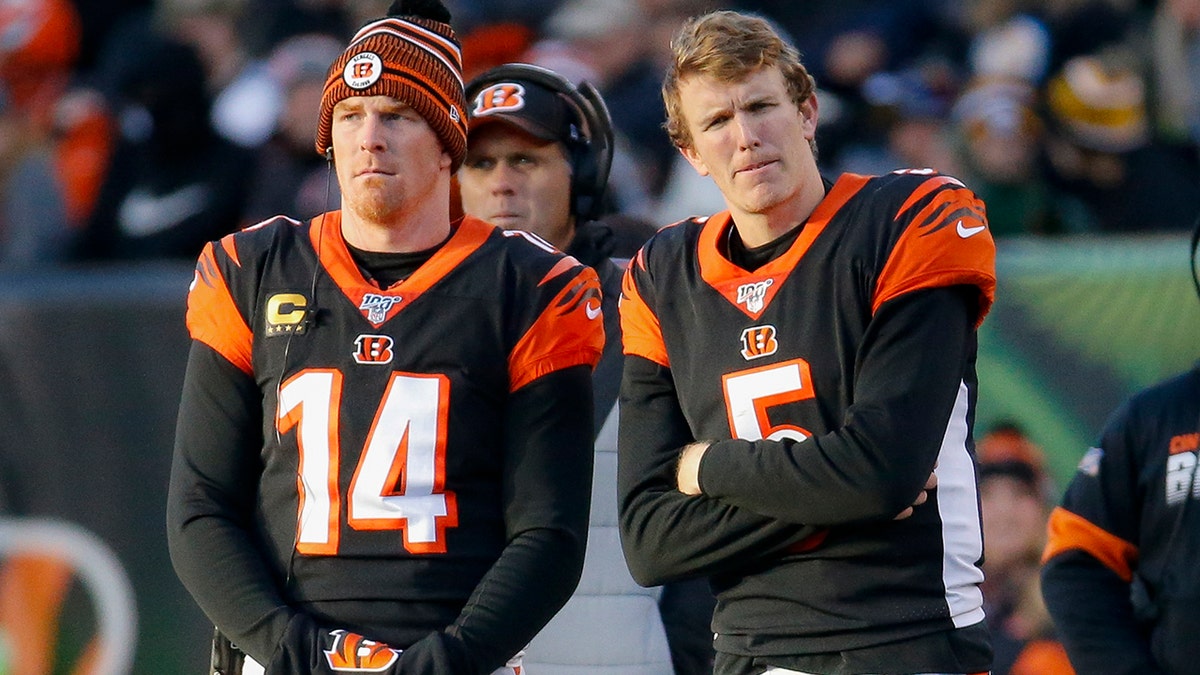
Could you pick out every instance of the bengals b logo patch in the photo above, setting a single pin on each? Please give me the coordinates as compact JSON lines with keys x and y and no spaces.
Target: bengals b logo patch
{"x":375,"y":349}
{"x":502,"y":97}
{"x":759,"y":341}
{"x":353,"y":653}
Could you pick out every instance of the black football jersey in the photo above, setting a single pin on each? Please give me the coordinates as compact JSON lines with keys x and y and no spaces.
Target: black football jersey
{"x":382,"y":455}
{"x":776,"y":354}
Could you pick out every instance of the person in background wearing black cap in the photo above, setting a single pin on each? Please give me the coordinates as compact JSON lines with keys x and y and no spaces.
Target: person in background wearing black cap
{"x":538,"y":156}
{"x":383,"y":456}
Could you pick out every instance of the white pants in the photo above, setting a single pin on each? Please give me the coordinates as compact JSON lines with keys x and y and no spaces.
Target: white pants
{"x":513,"y":667}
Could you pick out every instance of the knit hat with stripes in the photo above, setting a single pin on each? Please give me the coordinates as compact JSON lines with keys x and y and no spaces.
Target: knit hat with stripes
{"x":413,"y":55}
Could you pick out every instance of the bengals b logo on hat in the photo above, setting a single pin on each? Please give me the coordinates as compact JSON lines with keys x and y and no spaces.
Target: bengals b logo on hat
{"x":498,"y":98}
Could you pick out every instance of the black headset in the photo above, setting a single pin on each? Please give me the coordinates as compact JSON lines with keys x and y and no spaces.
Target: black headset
{"x":592,"y":154}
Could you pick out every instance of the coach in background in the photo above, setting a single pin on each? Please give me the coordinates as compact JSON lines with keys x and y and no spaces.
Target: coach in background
{"x":383,"y":457}
{"x":538,"y":157}
{"x":1119,"y":571}
{"x":796,"y":366}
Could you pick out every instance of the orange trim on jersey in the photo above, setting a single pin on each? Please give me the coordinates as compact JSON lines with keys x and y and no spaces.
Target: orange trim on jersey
{"x":950,"y":206}
{"x":639,"y":260}
{"x":562,"y":266}
{"x":1184,"y":443}
{"x":213,"y":317}
{"x":230,"y":249}
{"x":927,"y":187}
{"x":944,"y":245}
{"x":326,"y":236}
{"x":732,"y":281}
{"x":641,"y":333}
{"x":569,"y":332}
{"x":1067,"y":531}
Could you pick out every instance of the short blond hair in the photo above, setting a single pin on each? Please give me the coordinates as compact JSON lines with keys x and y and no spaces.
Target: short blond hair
{"x":728,"y":46}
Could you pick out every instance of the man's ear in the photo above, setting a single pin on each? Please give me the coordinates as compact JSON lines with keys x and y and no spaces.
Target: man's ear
{"x":808,"y":114}
{"x":689,"y":153}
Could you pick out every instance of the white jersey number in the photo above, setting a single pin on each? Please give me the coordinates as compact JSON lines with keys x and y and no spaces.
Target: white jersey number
{"x":750,"y":393}
{"x":399,"y":483}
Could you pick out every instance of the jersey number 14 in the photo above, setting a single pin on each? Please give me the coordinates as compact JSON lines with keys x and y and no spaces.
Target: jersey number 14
{"x":399,"y":483}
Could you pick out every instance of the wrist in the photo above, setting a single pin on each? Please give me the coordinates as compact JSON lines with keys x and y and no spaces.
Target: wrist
{"x":687,"y":470}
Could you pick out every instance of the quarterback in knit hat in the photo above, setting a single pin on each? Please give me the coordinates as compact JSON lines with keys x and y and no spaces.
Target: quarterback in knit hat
{"x":412,"y":55}
{"x":384,"y":450}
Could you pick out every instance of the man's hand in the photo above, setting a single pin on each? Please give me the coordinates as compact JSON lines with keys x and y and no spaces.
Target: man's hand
{"x":687,"y":472}
{"x":922,"y":496}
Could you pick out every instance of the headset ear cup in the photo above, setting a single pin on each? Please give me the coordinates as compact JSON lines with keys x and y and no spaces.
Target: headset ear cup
{"x":583,"y":182}
{"x":599,"y":157}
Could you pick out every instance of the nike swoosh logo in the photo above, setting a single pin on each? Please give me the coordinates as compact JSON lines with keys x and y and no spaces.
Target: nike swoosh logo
{"x":591,"y":312}
{"x":965,"y":232}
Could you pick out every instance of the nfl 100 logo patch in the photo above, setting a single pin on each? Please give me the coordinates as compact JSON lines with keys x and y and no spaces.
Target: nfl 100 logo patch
{"x":377,"y":306}
{"x":754,"y":295}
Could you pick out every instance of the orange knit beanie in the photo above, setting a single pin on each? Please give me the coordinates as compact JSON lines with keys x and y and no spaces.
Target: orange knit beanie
{"x":412,"y":55}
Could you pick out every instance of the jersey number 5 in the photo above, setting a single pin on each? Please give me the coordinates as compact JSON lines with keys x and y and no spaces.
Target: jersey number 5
{"x":399,"y":483}
{"x":749,"y":394}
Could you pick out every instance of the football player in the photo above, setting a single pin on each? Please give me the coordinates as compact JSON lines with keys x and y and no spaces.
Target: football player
{"x":796,"y":367}
{"x":384,"y":450}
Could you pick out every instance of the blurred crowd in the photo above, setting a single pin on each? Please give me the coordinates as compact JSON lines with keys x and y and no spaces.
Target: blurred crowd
{"x":1016,"y":495}
{"x":138,"y":129}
